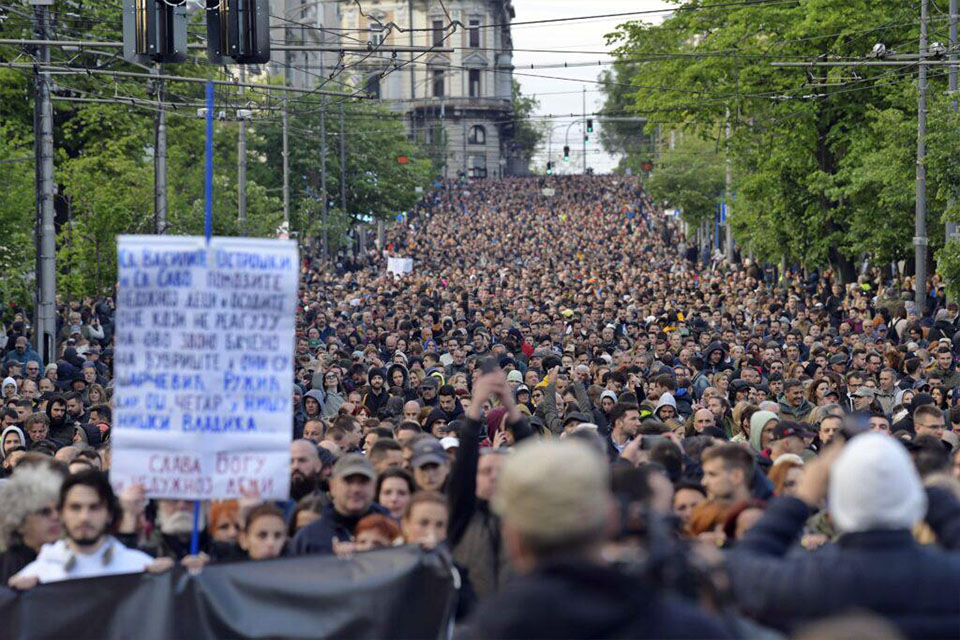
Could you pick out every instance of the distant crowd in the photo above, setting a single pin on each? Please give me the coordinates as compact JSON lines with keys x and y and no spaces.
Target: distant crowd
{"x":611,"y":435}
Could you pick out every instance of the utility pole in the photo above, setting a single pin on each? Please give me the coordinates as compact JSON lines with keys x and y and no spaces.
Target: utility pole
{"x":920,"y":221}
{"x":325,"y":249}
{"x":584,"y":122}
{"x":952,"y":226}
{"x":160,"y":160}
{"x":286,"y":170}
{"x":286,"y":143}
{"x":343,"y":165}
{"x":45,"y":324}
{"x":728,"y":238}
{"x":242,"y":165}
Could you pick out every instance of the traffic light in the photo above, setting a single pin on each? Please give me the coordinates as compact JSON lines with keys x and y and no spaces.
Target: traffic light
{"x":566,"y":153}
{"x":154,"y":31}
{"x":549,"y":168}
{"x":238,"y":29}
{"x":589,"y":125}
{"x":586,"y":138}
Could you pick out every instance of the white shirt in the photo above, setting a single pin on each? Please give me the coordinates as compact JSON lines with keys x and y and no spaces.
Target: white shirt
{"x":56,"y":561}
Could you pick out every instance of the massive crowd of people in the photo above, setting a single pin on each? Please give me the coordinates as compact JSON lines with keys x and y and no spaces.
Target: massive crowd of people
{"x":611,"y":436}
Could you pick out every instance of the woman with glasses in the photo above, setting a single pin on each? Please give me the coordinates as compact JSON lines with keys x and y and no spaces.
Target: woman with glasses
{"x":29,"y":517}
{"x":332,"y":394}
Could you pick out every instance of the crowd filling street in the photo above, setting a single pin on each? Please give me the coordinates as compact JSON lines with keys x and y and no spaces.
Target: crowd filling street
{"x":611,"y":434}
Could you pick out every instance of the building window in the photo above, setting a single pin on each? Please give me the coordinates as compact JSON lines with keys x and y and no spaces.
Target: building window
{"x":474,"y":83}
{"x":438,"y":83}
{"x":437,"y":33}
{"x":474,"y":42}
{"x":376,"y":32}
{"x":478,"y":135}
{"x":477,"y":166}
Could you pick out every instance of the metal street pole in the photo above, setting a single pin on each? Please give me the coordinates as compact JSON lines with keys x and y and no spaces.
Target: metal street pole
{"x":323,"y":180}
{"x":728,"y":237}
{"x":951,"y":229}
{"x":160,"y":160}
{"x":920,"y":221}
{"x":286,"y":169}
{"x":343,"y":165}
{"x":242,"y":166}
{"x":46,"y":324}
{"x":584,"y":122}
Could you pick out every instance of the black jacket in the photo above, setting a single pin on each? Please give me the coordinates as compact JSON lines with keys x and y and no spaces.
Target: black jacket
{"x":473,"y":532}
{"x":13,"y":560}
{"x":317,"y":537}
{"x":885,"y":572}
{"x":580,"y":600}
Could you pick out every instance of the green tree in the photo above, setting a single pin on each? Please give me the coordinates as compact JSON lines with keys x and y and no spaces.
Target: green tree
{"x":690,"y":177}
{"x":384,"y":168}
{"x":819,"y":155}
{"x":528,"y":134}
{"x":16,"y":215}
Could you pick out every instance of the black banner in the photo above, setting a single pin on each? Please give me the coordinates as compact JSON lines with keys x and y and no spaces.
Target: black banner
{"x":392,"y":593}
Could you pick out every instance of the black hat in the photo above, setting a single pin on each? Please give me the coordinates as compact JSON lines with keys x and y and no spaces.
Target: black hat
{"x":376,"y":371}
{"x":576,"y":416}
{"x":787,"y":428}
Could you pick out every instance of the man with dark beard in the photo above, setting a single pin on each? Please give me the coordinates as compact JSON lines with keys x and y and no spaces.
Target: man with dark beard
{"x":305,"y":468}
{"x":88,"y":510}
{"x":61,"y":424}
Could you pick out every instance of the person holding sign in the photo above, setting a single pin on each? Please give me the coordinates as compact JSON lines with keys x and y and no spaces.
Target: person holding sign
{"x":89,"y":510}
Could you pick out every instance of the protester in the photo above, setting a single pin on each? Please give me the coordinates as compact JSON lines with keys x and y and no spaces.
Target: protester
{"x":264,"y":533}
{"x":588,"y":317}
{"x":554,"y":500}
{"x":352,"y":488}
{"x":29,"y":517}
{"x":874,"y":497}
{"x":89,"y":510}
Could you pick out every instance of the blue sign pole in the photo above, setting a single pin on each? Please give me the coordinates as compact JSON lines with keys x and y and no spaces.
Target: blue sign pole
{"x":208,"y":210}
{"x":208,"y":231}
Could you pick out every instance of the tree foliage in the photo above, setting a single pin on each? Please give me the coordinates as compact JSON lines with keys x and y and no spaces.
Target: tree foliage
{"x":104,"y":165}
{"x":528,"y":133}
{"x":689,"y":177}
{"x":823,"y":157}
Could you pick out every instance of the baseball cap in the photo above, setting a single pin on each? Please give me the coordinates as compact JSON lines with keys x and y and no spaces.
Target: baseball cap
{"x":786,"y":429}
{"x":354,"y":464}
{"x":449,"y":443}
{"x":576,"y":416}
{"x":427,"y":451}
{"x":430,"y":381}
{"x":864,"y":392}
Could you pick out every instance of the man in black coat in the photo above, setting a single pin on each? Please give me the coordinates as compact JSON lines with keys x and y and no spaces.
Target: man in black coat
{"x":352,"y":488}
{"x":875,"y":498}
{"x":553,"y":500}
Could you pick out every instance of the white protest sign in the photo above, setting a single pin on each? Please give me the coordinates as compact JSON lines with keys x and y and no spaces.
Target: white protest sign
{"x":204,"y":366}
{"x":399,"y":266}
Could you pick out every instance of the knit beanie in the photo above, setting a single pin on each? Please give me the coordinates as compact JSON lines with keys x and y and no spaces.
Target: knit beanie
{"x":874,"y":485}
